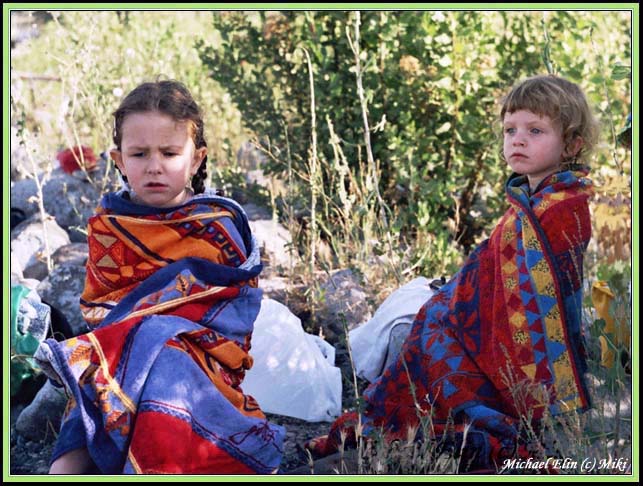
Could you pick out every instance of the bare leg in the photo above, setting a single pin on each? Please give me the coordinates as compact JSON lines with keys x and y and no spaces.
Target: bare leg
{"x":77,"y":461}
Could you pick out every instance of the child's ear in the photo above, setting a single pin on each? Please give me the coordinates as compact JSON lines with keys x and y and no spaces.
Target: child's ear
{"x":117,"y":157}
{"x":199,"y":155}
{"x":573,"y":147}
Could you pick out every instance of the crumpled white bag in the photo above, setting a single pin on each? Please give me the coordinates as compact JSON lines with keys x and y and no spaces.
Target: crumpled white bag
{"x":369,"y":342}
{"x":293,"y":372}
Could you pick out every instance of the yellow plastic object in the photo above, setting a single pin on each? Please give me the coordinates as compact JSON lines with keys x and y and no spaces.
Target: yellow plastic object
{"x":617,"y":331}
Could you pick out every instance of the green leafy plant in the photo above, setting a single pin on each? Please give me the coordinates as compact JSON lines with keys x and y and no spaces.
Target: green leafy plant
{"x":431,"y":117}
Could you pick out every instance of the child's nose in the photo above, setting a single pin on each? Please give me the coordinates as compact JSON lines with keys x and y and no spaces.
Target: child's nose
{"x":519,"y":139}
{"x":154,"y":164}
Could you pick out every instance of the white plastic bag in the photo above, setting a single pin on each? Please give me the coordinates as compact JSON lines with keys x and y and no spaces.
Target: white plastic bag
{"x":370,"y":341}
{"x":293,"y":372}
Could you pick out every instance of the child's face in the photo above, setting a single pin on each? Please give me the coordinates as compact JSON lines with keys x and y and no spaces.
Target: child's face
{"x":158,"y":157}
{"x":533,"y":145}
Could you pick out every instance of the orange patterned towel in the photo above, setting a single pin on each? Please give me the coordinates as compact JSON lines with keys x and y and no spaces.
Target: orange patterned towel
{"x":171,"y":296}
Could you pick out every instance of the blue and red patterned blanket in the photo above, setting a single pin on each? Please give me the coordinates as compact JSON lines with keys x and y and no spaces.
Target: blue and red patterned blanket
{"x":502,"y":339}
{"x":171,"y":296}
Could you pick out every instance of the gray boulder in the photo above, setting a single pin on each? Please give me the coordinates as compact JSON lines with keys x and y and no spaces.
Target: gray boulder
{"x":72,"y":199}
{"x":255,"y":212}
{"x":28,"y":242}
{"x":73,"y":252}
{"x":19,"y":157}
{"x":63,"y":287}
{"x":274,"y":243}
{"x":42,"y":417}
{"x":343,"y":300}
{"x":23,"y":193}
{"x":273,"y":239}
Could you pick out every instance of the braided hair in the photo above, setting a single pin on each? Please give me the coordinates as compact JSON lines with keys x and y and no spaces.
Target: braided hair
{"x":171,"y":98}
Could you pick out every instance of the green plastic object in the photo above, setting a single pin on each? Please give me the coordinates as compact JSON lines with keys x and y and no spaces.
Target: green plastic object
{"x":23,"y":346}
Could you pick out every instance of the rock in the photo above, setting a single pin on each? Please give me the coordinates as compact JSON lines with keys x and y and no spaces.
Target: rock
{"x":19,"y":157}
{"x":274,"y":287}
{"x":255,"y":212}
{"x":42,"y":417}
{"x":16,"y":269}
{"x":22,"y":193}
{"x":62,"y":289}
{"x":250,"y":157}
{"x":72,"y":198}
{"x":297,"y":433}
{"x":343,"y":300}
{"x":17,"y":217}
{"x":274,"y":243}
{"x":273,"y":239}
{"x":28,"y":243}
{"x":73,"y":252}
{"x":257,"y":177}
{"x":37,"y":271}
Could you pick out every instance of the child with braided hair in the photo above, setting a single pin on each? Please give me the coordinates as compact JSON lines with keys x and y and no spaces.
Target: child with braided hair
{"x":165,"y":113}
{"x":171,"y":298}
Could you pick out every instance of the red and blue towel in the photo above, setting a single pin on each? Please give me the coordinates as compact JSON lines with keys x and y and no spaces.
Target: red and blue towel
{"x":171,"y":296}
{"x":502,"y":339}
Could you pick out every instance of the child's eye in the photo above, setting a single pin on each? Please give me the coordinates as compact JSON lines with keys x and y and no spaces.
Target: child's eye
{"x":169,"y":154}
{"x":510,"y":131}
{"x":137,"y":154}
{"x":536,"y":131}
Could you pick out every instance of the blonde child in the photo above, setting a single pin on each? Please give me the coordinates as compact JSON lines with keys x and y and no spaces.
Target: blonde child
{"x":502,"y":339}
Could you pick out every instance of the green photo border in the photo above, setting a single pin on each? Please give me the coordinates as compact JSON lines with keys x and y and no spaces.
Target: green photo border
{"x":11,"y":6}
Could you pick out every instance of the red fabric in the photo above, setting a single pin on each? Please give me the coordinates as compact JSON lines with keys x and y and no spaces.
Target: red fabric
{"x":72,"y":160}
{"x":169,"y":456}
